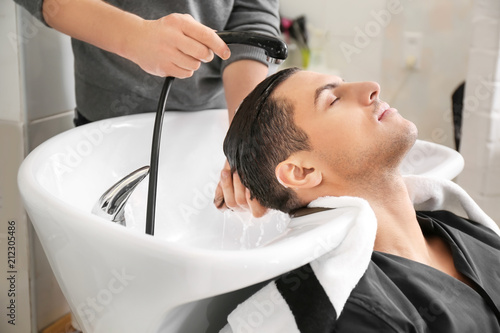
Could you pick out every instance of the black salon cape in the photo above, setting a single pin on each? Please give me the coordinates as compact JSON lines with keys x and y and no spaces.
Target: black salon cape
{"x":400,"y":295}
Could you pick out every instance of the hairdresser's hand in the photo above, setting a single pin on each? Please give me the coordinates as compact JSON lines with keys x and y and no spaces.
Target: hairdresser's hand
{"x":174,"y":45}
{"x":232,"y":194}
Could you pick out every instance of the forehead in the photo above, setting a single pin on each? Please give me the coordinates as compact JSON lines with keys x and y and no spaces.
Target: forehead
{"x":302,"y":86}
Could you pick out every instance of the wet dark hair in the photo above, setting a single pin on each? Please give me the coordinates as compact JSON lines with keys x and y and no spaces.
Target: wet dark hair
{"x":263,"y":134}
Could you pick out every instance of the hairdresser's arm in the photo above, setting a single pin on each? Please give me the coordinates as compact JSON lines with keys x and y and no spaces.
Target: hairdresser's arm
{"x":239,"y":79}
{"x":174,"y":45}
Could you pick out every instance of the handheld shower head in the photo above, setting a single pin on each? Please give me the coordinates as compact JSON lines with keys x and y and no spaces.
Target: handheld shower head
{"x":276,"y":49}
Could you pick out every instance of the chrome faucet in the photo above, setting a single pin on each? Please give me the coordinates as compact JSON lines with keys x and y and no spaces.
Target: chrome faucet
{"x":111,"y":205}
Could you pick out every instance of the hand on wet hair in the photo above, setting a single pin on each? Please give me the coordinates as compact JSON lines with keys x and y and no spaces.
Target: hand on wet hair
{"x":232,"y":194}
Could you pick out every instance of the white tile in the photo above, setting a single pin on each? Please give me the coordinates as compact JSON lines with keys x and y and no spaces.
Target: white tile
{"x":10,"y":98}
{"x":46,"y":288}
{"x":43,"y":129}
{"x":481,"y":175}
{"x":480,"y":133}
{"x":47,"y":62}
{"x":482,"y":93}
{"x":484,"y":64}
{"x":12,"y":152}
{"x":486,"y":8}
{"x":493,"y":151}
{"x":490,"y":205}
{"x":356,"y":60}
{"x":471,"y":180}
{"x":494,"y":125}
{"x":482,"y":96}
{"x":11,"y":209}
{"x":495,"y":113}
{"x":313,"y":10}
{"x":348,"y":18}
{"x":486,"y":33}
{"x":491,"y":180}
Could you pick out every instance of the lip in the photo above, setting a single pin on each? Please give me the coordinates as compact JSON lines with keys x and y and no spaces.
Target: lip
{"x":382,"y":110}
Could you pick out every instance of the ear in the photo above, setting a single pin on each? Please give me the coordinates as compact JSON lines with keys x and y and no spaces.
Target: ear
{"x":291,"y":173}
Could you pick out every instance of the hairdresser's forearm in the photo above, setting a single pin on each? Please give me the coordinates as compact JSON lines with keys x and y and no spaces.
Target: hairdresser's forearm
{"x":239,"y":80}
{"x":94,"y":22}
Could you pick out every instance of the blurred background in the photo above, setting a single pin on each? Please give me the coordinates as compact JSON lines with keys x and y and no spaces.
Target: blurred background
{"x":416,"y":50}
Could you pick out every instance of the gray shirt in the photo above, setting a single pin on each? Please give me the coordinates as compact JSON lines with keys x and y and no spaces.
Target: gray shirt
{"x":108,"y":85}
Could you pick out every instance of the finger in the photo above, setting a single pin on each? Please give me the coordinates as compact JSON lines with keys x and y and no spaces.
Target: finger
{"x":219,"y":193}
{"x":239,"y":191}
{"x":183,"y":67}
{"x":255,"y":206}
{"x":206,"y":36}
{"x":185,"y":61}
{"x":257,"y":209}
{"x":227,"y":188}
{"x":172,"y":70}
{"x":219,"y":197}
{"x":195,"y":49}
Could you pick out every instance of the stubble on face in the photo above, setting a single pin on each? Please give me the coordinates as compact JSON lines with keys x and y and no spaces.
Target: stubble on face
{"x":371,"y":164}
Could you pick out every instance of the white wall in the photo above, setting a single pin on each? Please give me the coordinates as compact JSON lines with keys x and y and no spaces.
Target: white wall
{"x":48,"y":102}
{"x":481,"y":132}
{"x":364,"y":42}
{"x":47,"y":79}
{"x":335,"y":23}
{"x":14,"y":227}
{"x":36,"y":102}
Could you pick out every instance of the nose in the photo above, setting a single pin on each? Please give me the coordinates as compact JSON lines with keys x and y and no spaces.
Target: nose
{"x":367,"y":92}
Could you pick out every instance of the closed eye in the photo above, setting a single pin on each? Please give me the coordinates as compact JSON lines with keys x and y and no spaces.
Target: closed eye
{"x":334,"y":101}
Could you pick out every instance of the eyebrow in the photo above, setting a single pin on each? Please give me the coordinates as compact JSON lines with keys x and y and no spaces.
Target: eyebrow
{"x":319,"y":91}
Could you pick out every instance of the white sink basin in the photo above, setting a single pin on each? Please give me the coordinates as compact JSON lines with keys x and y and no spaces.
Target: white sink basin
{"x":118,"y":279}
{"x":433,"y":160}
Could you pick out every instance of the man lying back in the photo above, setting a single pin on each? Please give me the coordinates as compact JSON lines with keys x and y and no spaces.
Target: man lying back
{"x":300,"y":136}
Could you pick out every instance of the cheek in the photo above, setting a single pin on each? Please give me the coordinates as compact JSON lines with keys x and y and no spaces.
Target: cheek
{"x":343,"y":139}
{"x":344,"y":128}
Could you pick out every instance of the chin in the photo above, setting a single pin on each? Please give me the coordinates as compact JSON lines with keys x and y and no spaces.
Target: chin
{"x":412,"y":134}
{"x":400,"y":145}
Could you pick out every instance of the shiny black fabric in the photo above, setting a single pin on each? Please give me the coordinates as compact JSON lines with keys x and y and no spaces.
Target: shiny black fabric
{"x":400,"y":295}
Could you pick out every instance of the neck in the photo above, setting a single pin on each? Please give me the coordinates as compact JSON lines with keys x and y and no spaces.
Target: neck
{"x":398,"y":231}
